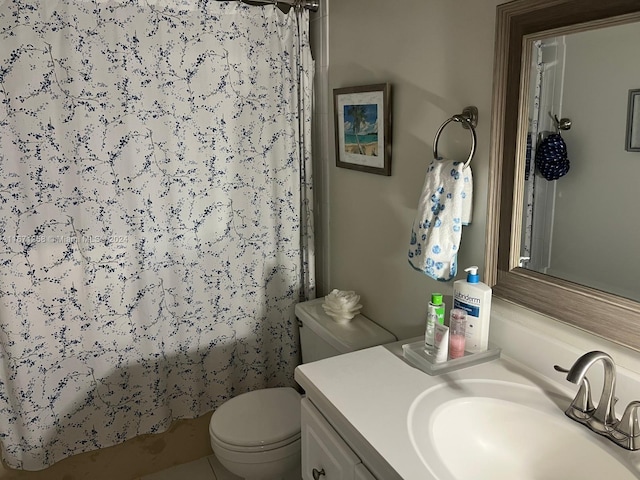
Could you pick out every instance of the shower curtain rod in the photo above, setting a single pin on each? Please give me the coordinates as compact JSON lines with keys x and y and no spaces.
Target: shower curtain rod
{"x":312,"y":5}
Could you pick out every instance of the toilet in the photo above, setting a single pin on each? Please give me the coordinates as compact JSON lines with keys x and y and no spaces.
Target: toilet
{"x":256,"y":435}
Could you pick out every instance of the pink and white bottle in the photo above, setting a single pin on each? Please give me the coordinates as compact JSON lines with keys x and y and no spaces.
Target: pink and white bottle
{"x":457,"y":326}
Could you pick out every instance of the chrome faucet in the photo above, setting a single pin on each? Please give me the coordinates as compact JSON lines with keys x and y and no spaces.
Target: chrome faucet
{"x":604,"y":415}
{"x":602,"y":419}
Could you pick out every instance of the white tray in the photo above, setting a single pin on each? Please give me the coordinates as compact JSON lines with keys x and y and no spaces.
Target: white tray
{"x":418,"y":357}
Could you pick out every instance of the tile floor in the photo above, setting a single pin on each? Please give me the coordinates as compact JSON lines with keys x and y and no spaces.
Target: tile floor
{"x":207,"y":468}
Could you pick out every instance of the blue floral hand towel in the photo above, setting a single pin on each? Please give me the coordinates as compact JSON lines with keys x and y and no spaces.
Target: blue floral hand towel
{"x":445,"y":206}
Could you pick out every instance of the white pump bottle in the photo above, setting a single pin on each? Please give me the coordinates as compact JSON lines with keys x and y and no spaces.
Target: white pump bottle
{"x":474,"y":297}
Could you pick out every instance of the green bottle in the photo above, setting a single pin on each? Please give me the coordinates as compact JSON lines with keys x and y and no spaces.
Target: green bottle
{"x":435,"y":314}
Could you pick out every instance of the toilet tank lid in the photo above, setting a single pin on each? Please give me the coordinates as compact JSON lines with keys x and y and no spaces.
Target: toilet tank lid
{"x":359,"y":333}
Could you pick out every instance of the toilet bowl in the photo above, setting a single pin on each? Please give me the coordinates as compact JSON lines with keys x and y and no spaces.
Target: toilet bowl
{"x":256,"y":435}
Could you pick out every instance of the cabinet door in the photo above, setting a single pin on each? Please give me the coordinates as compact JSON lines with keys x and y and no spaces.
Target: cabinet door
{"x":325,"y":456}
{"x":362,"y":473}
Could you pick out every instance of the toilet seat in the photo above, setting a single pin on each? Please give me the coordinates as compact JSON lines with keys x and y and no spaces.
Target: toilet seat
{"x":257,"y":421}
{"x":254,"y":449}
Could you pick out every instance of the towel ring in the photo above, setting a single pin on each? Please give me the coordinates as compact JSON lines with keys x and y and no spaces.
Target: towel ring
{"x":469,"y":120}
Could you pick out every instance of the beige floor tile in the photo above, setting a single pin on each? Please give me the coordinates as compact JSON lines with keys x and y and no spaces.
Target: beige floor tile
{"x":185,"y":441}
{"x":221,"y":472}
{"x":197,"y":470}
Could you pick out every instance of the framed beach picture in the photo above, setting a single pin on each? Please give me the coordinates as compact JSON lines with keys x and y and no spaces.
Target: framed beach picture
{"x":363,"y":128}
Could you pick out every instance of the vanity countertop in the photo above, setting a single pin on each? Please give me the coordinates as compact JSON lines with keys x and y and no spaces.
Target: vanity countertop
{"x":369,"y":393}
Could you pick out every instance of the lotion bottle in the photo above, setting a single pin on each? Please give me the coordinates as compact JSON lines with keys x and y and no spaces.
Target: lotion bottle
{"x":441,"y":341}
{"x":474,"y":297}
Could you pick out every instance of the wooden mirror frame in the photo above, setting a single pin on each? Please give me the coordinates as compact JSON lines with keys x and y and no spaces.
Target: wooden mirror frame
{"x":518,"y":24}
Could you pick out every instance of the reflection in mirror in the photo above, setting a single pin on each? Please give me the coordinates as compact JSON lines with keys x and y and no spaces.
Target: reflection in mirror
{"x":582,"y":230}
{"x":584,"y":227}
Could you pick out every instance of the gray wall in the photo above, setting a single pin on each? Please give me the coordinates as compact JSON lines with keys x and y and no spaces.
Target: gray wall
{"x":438,"y":56}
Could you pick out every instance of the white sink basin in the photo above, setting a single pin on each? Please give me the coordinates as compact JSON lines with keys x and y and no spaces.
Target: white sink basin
{"x":491,"y":430}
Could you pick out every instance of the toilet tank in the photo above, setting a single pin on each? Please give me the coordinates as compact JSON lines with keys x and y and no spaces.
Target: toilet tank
{"x":321,"y":337}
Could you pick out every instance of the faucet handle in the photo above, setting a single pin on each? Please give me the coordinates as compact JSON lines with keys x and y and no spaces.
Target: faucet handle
{"x":582,"y":400}
{"x":629,"y":425}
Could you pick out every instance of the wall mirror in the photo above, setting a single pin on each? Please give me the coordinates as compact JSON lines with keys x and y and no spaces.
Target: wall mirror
{"x":566,"y":248}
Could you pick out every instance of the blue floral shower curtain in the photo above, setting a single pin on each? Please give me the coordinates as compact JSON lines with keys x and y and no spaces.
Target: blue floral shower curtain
{"x":155,"y":214}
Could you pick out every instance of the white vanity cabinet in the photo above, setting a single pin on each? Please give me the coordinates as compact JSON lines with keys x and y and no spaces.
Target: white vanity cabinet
{"x":362,"y":473}
{"x":325,"y":455}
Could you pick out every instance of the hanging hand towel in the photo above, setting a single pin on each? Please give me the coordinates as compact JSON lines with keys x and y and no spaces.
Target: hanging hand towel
{"x":444,"y":207}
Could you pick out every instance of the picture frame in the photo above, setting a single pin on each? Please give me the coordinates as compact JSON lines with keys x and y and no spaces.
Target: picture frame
{"x":633,"y":122}
{"x":363,"y":128}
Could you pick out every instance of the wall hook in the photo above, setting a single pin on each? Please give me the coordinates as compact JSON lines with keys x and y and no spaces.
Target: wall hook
{"x":470,"y":114}
{"x":562,"y":124}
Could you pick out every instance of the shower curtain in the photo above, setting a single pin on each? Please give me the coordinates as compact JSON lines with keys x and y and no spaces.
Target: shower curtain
{"x":155,"y":214}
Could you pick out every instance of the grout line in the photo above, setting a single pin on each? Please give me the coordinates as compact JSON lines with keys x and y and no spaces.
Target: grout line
{"x":213,"y":470}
